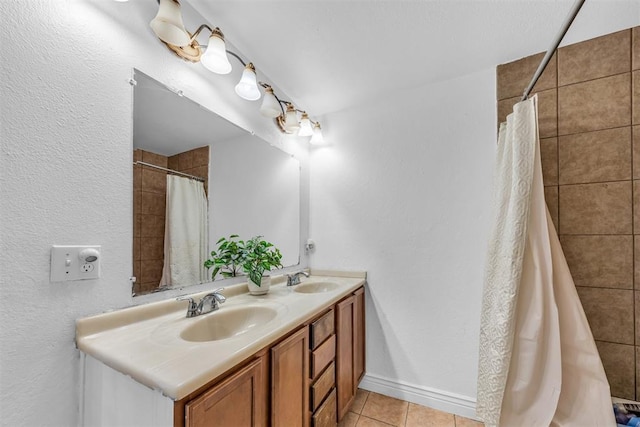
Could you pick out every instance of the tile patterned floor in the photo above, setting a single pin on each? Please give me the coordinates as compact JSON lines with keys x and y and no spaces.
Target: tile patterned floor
{"x":375,"y":410}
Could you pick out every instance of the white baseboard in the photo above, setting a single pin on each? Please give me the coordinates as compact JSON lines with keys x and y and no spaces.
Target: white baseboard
{"x":442,"y":400}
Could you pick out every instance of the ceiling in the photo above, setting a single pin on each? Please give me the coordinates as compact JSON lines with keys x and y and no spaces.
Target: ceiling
{"x":329,"y":55}
{"x":167,"y":123}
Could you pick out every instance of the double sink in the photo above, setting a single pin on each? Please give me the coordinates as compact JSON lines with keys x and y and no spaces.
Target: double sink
{"x":231,"y":322}
{"x":157,"y":345}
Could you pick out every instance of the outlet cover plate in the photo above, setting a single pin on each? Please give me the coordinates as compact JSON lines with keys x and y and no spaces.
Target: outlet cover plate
{"x":66,"y":264}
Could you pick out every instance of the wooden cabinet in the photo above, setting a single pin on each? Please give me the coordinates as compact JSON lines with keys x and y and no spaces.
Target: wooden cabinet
{"x":239,"y":401}
{"x":350,"y":350}
{"x":290,"y":381}
{"x":322,"y":402}
{"x":359,"y":361}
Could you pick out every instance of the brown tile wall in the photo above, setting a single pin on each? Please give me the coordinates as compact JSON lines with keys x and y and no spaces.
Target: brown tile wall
{"x":194,"y":162}
{"x":589,"y":112}
{"x":149,"y":199}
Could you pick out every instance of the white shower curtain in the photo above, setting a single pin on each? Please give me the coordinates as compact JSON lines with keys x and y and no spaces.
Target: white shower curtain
{"x":538,"y":365}
{"x":185,"y":233}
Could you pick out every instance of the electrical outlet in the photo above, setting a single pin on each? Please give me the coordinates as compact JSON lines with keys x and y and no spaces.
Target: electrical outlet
{"x":74,"y":263}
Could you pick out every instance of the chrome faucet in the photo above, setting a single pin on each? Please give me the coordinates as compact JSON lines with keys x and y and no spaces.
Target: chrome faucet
{"x":207,"y":304}
{"x":294,"y":279}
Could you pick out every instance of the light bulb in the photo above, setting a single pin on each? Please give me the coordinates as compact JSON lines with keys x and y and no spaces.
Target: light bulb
{"x":270,"y":106}
{"x":305,"y":126}
{"x":291,"y":124}
{"x":168,"y":24}
{"x":247,"y":88}
{"x":215,"y":57}
{"x":317,"y":138}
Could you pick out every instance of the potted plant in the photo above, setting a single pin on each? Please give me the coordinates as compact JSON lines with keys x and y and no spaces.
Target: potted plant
{"x":228,"y":258}
{"x":260,"y":257}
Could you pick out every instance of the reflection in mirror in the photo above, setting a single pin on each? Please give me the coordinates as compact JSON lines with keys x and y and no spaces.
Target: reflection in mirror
{"x":198,"y":177}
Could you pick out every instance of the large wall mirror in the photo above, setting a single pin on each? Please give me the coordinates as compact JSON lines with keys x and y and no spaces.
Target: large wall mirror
{"x":198,"y":177}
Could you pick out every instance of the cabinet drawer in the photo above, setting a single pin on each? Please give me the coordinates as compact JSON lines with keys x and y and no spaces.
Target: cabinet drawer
{"x":326,"y":415}
{"x":321,"y":329}
{"x":322,"y":356}
{"x":323,"y":386}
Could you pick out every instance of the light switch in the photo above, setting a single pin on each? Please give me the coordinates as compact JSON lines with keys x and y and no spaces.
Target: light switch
{"x":74,"y":263}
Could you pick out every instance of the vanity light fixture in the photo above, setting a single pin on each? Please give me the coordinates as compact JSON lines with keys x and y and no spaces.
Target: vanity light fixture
{"x":247,"y":87}
{"x":168,"y":24}
{"x":215,"y":58}
{"x":316,"y":138}
{"x":270,"y":105}
{"x":169,"y":27}
{"x":291,"y":124}
{"x":305,"y":126}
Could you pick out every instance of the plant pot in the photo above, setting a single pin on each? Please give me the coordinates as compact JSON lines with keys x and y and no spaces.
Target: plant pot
{"x":265,"y":283}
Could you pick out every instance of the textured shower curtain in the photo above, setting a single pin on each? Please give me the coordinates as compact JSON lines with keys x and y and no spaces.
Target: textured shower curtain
{"x":185,"y":233}
{"x":538,"y":365}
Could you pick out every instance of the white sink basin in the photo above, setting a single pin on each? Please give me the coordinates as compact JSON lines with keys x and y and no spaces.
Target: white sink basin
{"x":228,"y":322}
{"x":316,"y":287}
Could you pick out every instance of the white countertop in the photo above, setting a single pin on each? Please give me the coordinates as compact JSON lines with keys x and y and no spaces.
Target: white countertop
{"x":144,"y":341}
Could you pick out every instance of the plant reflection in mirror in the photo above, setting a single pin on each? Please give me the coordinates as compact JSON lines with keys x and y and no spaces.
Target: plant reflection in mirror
{"x":228,"y":258}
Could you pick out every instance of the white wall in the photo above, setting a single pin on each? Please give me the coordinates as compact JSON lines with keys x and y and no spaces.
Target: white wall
{"x":404,"y":194}
{"x":65,"y":178}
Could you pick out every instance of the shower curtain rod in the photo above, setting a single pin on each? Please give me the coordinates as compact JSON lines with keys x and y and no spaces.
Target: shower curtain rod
{"x":556,"y":42}
{"x":197,"y":178}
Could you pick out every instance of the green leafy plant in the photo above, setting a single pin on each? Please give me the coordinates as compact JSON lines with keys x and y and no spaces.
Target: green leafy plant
{"x":260,"y":256}
{"x":228,"y":258}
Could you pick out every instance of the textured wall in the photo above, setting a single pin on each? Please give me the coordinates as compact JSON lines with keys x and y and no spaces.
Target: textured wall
{"x":589,"y":117}
{"x":65,"y":178}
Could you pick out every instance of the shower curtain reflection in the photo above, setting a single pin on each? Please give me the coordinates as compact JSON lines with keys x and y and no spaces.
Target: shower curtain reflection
{"x":185,"y":240}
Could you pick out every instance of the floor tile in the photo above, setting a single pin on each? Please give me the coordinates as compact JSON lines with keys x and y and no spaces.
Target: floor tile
{"x":349,"y":420}
{"x":386,"y":409}
{"x":359,"y":401}
{"x":467,"y":422}
{"x":370,"y":422}
{"x":421,"y":416}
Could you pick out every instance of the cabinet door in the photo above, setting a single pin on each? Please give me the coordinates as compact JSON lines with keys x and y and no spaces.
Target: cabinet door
{"x":344,"y":355}
{"x":290,"y":381}
{"x":239,"y":401}
{"x":358,"y":338}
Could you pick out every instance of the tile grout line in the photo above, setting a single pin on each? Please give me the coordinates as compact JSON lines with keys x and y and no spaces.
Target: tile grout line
{"x":406,"y":415}
{"x":558,"y":86}
{"x":558,"y":141}
{"x":633,"y":230}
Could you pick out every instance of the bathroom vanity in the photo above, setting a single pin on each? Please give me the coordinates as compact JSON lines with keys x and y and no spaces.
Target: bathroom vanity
{"x":293,"y":357}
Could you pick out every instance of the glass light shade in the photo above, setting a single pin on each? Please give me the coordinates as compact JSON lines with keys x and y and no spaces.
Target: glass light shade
{"x":247,"y":88}
{"x":270,"y":106}
{"x":305,"y":126}
{"x":168,"y":24}
{"x":291,"y":124}
{"x":215,"y":58}
{"x":317,"y":138}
